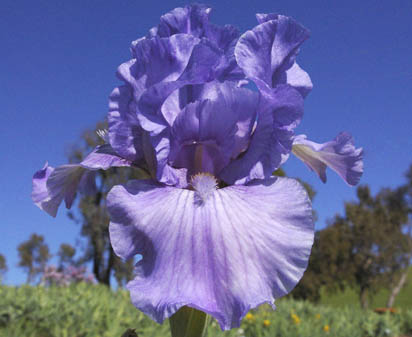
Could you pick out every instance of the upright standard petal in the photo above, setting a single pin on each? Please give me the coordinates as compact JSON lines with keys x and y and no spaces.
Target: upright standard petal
{"x":192,"y":19}
{"x":205,"y":64}
{"x":267,"y":53}
{"x":156,"y":60}
{"x":214,"y":129}
{"x":125,"y":132}
{"x":239,"y":248}
{"x":278,"y":114}
{"x":339,"y":154}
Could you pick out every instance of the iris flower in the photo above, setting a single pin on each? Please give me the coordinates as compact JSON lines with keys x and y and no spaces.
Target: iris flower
{"x":216,"y":230}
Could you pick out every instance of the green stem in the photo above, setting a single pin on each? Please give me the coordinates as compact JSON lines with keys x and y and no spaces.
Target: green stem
{"x":188,"y":322}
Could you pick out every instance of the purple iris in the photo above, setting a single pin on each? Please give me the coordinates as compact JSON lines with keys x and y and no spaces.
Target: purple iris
{"x":216,"y":230}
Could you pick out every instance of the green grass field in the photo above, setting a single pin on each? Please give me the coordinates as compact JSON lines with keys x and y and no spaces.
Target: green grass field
{"x":350,"y":297}
{"x":93,"y":310}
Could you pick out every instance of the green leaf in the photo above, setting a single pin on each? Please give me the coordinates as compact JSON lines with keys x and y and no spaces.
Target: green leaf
{"x":188,"y":322}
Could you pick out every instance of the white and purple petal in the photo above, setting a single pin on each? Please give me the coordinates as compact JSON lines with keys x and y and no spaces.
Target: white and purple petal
{"x":339,"y":154}
{"x":242,"y":247}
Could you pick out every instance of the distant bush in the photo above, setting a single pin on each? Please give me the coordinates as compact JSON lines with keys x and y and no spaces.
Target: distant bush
{"x":92,"y":310}
{"x":69,"y":275}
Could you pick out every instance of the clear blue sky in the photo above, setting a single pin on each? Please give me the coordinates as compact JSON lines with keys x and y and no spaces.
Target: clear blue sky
{"x":58,"y":60}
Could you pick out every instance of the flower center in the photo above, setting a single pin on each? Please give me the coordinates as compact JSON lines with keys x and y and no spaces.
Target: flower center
{"x":204,"y":185}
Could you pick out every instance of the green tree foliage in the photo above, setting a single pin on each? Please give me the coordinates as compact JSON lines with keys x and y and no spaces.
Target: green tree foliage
{"x":3,"y":266}
{"x":366,"y":248}
{"x":34,"y":255}
{"x":92,"y":214}
{"x":66,"y":255}
{"x":402,"y":197}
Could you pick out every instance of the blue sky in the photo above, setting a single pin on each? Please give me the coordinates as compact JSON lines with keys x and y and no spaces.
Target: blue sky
{"x":57,"y":69}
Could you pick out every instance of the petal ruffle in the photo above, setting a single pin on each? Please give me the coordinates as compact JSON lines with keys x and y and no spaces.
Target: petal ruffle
{"x":339,"y":154}
{"x":208,"y":133}
{"x":125,"y":133}
{"x":156,"y":60}
{"x":278,"y":115}
{"x":192,"y":19}
{"x":267,"y":53}
{"x":104,"y":157}
{"x":203,"y":138}
{"x":205,"y":64}
{"x":240,"y":248}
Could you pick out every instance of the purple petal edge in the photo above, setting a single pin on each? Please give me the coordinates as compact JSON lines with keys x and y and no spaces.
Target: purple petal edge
{"x":53,"y":185}
{"x":339,"y":154}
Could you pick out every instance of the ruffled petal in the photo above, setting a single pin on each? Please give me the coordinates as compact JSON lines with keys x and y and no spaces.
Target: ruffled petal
{"x":104,"y":157}
{"x":155,"y":60}
{"x":205,"y":64}
{"x":203,"y":138}
{"x":194,"y":20}
{"x":278,"y":115}
{"x":164,"y":172}
{"x":125,"y":132}
{"x":208,"y":133}
{"x":238,"y":249}
{"x":225,"y":125}
{"x":267,"y":53}
{"x":191,"y":19}
{"x":264,"y":17}
{"x":226,"y":38}
{"x":339,"y":154}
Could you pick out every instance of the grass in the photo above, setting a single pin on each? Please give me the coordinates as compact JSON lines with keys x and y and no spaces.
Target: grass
{"x":93,"y":310}
{"x":349,"y":297}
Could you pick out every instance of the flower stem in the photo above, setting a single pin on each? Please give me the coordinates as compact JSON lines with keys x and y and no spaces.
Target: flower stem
{"x":188,"y":322}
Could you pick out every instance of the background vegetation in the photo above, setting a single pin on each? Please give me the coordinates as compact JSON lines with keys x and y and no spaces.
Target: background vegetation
{"x":85,"y":310}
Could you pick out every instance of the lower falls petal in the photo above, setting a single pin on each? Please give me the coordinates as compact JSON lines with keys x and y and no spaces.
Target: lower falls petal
{"x":243,"y":246}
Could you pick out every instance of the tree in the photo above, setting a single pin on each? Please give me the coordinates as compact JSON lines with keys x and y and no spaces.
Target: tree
{"x":3,"y":266}
{"x":364,"y":248}
{"x":92,"y":214}
{"x":403,"y":199}
{"x":123,"y":271}
{"x":66,"y":256}
{"x":34,"y":255}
